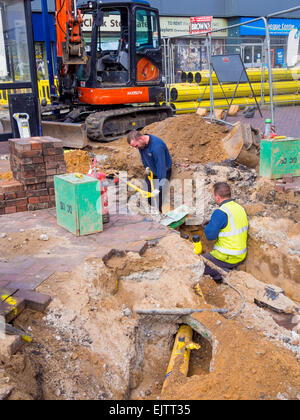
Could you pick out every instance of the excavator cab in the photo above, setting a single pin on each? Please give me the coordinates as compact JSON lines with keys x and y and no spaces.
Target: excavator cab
{"x":125,"y":47}
{"x":115,"y":84}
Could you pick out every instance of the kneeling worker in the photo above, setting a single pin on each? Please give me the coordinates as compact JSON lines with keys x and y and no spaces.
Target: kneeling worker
{"x":229,"y":227}
{"x":155,"y":155}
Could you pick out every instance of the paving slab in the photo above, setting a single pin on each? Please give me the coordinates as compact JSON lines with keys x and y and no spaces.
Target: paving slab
{"x":124,"y":233}
{"x":286,"y":120}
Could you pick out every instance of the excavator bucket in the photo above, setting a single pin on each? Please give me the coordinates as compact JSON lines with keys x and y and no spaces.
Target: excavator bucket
{"x":73,"y":135}
{"x":240,"y":145}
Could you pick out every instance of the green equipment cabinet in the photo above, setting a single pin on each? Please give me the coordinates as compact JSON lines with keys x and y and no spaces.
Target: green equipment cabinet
{"x":279,"y":157}
{"x":78,"y":204}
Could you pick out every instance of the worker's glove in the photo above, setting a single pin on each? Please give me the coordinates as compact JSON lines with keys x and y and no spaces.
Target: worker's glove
{"x":204,"y":224}
{"x":148,"y":171}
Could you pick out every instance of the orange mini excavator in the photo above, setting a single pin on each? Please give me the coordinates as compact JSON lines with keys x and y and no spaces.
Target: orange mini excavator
{"x":111,"y":80}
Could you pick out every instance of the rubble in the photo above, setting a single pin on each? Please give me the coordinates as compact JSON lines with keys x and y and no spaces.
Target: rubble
{"x":91,"y":344}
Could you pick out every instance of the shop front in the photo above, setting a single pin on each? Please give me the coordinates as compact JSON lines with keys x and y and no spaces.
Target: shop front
{"x":17,"y":63}
{"x":252,"y":37}
{"x":190,"y":51}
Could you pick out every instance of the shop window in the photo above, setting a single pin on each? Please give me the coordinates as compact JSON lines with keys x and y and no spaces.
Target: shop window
{"x":14,"y":58}
{"x":41,"y":61}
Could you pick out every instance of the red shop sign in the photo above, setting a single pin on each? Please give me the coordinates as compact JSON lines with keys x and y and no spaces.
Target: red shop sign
{"x":200,"y":24}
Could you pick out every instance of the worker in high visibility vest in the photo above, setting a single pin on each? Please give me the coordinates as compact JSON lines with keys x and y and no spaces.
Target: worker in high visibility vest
{"x":229,"y":227}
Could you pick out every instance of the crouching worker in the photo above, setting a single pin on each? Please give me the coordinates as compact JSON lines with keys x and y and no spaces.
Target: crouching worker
{"x":155,"y":155}
{"x":229,"y":227}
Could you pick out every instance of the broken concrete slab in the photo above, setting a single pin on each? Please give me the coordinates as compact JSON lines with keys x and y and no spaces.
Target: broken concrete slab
{"x":14,"y":301}
{"x":264,"y":295}
{"x":33,"y":300}
{"x":273,"y":297}
{"x":10,"y":344}
{"x":5,"y":391}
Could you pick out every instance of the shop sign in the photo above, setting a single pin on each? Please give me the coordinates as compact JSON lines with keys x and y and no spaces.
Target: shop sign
{"x":173,"y":26}
{"x":278,"y":27}
{"x":200,"y":24}
{"x":110,"y":23}
{"x":169,"y":26}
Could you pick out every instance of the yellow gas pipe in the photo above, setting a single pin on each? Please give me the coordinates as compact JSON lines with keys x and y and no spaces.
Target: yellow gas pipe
{"x":181,"y":353}
{"x":191,"y":106}
{"x":255,"y":75}
{"x":193,"y":92}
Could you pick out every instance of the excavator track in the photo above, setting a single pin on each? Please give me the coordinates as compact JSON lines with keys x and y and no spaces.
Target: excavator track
{"x":106,"y":126}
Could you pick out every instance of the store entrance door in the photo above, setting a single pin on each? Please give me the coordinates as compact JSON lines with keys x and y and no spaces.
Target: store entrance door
{"x":252,"y":55}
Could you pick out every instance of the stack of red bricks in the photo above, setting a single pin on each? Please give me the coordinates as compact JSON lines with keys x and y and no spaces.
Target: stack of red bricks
{"x":34,"y":162}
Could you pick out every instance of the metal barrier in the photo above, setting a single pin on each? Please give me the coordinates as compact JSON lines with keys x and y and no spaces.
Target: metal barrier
{"x":43,"y":89}
{"x":274,"y":88}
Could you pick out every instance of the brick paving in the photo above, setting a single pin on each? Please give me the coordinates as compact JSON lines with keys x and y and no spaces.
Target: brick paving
{"x":4,"y":149}
{"x":286,"y":120}
{"x":123,"y":234}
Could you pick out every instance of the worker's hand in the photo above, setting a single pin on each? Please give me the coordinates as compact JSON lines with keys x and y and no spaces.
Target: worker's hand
{"x":147,"y":171}
{"x":205,"y":223}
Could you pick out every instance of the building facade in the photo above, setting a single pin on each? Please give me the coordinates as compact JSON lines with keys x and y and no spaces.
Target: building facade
{"x":175,"y":22}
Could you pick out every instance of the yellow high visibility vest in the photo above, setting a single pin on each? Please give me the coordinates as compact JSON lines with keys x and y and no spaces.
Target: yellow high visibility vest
{"x":231,"y":245}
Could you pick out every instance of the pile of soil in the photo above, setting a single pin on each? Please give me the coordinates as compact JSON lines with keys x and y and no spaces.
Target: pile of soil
{"x":6,"y":176}
{"x":190,"y":137}
{"x":77,"y":161}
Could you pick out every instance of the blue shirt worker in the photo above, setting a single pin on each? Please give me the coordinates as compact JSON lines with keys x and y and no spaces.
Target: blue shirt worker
{"x":155,"y":155}
{"x":229,"y":227}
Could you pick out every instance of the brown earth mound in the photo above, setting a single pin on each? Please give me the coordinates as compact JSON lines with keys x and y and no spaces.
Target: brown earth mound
{"x":77,"y":161}
{"x":191,"y":137}
{"x":6,"y":176}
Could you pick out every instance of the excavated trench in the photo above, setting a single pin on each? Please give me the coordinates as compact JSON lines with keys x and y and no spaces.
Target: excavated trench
{"x":270,"y":259}
{"x":91,"y":344}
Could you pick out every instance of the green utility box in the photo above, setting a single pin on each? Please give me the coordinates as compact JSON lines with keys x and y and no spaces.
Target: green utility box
{"x":78,"y":203}
{"x":279,"y":157}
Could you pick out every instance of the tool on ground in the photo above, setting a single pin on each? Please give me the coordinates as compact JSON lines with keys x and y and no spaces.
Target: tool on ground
{"x":178,"y":311}
{"x":144,"y":194}
{"x":197,"y":244}
{"x":25,"y":336}
{"x":175,"y":218}
{"x":150,"y":176}
{"x":180,"y":356}
{"x":23,"y":124}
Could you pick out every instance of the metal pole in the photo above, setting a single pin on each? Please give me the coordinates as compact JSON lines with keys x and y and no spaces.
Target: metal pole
{"x":209,"y":54}
{"x":29,"y":29}
{"x":46,"y":25}
{"x":165,"y":65}
{"x":169,"y":70}
{"x":268,"y":42}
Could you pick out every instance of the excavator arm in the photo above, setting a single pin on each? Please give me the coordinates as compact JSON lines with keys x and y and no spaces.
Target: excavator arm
{"x":70,"y":44}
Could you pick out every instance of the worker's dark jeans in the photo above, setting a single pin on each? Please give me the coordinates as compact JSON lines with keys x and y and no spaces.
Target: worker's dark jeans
{"x":160,"y":198}
{"x":224,"y":265}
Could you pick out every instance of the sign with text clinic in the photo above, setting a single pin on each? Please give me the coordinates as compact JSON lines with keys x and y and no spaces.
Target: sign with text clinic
{"x":200,"y":24}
